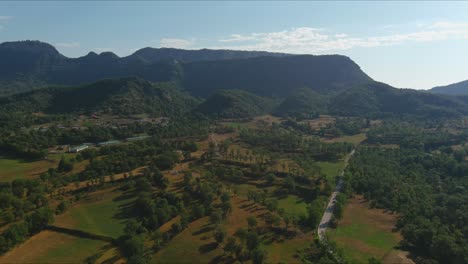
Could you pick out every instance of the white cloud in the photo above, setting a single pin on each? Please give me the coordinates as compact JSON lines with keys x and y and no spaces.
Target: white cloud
{"x":176,"y":43}
{"x":313,"y":40}
{"x":3,"y":18}
{"x":68,"y":44}
{"x":449,"y":25}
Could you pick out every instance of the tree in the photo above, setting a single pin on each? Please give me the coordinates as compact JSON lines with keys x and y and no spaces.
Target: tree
{"x":253,"y":241}
{"x":64,"y":165}
{"x":259,"y":256}
{"x":133,"y":227}
{"x":219,"y":235}
{"x":314,"y":213}
{"x":176,"y":228}
{"x":251,"y":222}
{"x":231,"y":245}
{"x":271,"y":204}
{"x":132,"y":247}
{"x":166,"y":160}
{"x":40,"y":219}
{"x":215,"y":217}
{"x":61,"y":207}
{"x":242,"y":234}
{"x":272,"y":219}
{"x":270,"y":178}
{"x":226,"y":207}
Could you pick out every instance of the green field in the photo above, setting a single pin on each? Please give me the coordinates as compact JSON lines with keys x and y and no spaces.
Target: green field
{"x":98,"y":214}
{"x":285,"y":251}
{"x":11,"y":168}
{"x":293,"y":205}
{"x":363,"y":233}
{"x":331,"y":169}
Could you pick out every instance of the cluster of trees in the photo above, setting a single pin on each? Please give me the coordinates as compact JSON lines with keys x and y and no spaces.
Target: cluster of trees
{"x":24,"y":207}
{"x":429,"y":192}
{"x":32,"y":144}
{"x":281,"y":140}
{"x":245,"y":244}
{"x":345,"y":126}
{"x":21,"y":196}
{"x":423,"y":135}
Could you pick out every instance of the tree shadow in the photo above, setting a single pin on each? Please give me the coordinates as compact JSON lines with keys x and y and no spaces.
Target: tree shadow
{"x":208,"y":247}
{"x":203,"y":230}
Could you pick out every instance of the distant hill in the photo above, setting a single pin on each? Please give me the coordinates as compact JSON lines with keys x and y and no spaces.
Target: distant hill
{"x":376,"y":99}
{"x":460,"y":88}
{"x":32,"y":64}
{"x":235,"y":104}
{"x":113,"y":96}
{"x":302,"y":103}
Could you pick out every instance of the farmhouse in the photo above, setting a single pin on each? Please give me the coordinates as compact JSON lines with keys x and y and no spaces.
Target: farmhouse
{"x":77,"y":148}
{"x":111,"y":142}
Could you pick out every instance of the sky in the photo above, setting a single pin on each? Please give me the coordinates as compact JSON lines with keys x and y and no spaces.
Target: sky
{"x":415,"y":45}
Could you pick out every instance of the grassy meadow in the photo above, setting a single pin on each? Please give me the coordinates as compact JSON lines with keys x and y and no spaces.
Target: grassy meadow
{"x":363,"y":233}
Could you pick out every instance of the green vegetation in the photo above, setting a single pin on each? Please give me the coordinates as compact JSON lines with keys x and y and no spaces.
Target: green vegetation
{"x":293,"y":205}
{"x":331,"y":169}
{"x":101,"y":217}
{"x":114,"y":96}
{"x":420,"y":187}
{"x":363,"y":233}
{"x":235,"y":104}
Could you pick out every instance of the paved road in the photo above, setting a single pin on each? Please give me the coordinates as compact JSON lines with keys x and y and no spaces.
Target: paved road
{"x":327,"y":215}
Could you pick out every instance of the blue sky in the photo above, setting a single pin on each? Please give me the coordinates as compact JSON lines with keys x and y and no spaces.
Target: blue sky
{"x":406,"y":44}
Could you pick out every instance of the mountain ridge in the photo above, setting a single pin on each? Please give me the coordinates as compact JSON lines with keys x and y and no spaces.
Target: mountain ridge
{"x":201,"y":72}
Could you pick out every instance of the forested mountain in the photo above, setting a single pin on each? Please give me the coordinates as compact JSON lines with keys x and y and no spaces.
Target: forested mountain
{"x":376,"y":99}
{"x":114,"y":96}
{"x":32,"y":64}
{"x":460,"y":88}
{"x":235,"y":104}
{"x":273,"y":76}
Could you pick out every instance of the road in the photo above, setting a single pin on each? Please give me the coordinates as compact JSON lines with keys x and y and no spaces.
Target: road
{"x":327,"y":215}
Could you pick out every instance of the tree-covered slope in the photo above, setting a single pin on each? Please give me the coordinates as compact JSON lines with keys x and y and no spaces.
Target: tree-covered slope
{"x":274,"y":76}
{"x":115,"y":96}
{"x":235,"y":104}
{"x":379,"y":99}
{"x":303,"y":103}
{"x":460,"y":88}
